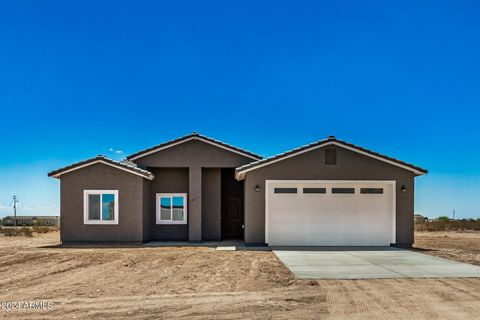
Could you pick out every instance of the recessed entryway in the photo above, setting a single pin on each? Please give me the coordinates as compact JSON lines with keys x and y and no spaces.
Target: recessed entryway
{"x":232,"y":206}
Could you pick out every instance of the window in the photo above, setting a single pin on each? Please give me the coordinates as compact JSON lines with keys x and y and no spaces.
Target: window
{"x":285,"y":190}
{"x":100,"y":207}
{"x":371,"y":190}
{"x":330,"y":156}
{"x":343,"y":190}
{"x":171,"y":208}
{"x":314,"y":190}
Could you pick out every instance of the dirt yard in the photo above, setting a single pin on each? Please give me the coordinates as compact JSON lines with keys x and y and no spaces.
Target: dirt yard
{"x":459,"y":246}
{"x":201,"y":283}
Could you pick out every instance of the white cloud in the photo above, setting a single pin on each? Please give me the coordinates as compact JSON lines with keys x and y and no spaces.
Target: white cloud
{"x":115,"y":151}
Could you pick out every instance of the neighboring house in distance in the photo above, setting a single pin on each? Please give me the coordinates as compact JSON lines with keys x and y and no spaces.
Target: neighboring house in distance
{"x":419,"y":218}
{"x":328,"y":193}
{"x":31,"y":221}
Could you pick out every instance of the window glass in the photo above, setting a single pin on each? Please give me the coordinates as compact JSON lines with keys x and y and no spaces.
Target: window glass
{"x":165,"y":208}
{"x":371,"y":190}
{"x":93,"y":207}
{"x":314,"y":190}
{"x":343,"y":190}
{"x":108,"y":206}
{"x":177,"y":208}
{"x":285,"y":190}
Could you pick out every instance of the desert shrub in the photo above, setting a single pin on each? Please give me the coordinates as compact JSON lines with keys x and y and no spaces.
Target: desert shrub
{"x":443,"y":218}
{"x":10,"y":232}
{"x":17,"y":232}
{"x":27,"y":232}
{"x":42,"y":229}
{"x":452,"y":225}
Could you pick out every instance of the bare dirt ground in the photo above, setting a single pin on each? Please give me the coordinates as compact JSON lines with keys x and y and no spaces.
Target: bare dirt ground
{"x":201,"y":283}
{"x":453,"y":245}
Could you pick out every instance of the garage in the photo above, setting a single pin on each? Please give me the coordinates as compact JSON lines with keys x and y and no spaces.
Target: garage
{"x":329,"y":213}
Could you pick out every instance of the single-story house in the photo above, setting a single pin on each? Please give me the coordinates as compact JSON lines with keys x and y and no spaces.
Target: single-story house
{"x":195,"y":188}
{"x":418,"y":218}
{"x":30,"y":221}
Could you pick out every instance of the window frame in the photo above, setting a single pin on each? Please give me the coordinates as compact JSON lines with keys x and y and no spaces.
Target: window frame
{"x":171,"y":195}
{"x":86,"y":193}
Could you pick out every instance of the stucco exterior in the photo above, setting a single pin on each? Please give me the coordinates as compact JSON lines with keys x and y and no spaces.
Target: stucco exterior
{"x":211,"y":204}
{"x":204,"y":170}
{"x":167,"y":180}
{"x":310,"y":166}
{"x":101,"y":177}
{"x":200,"y":160}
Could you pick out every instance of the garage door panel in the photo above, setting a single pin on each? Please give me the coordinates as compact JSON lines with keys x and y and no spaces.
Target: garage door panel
{"x":326,"y":219}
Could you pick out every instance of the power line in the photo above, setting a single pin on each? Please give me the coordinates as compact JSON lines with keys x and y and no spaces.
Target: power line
{"x":15,"y":201}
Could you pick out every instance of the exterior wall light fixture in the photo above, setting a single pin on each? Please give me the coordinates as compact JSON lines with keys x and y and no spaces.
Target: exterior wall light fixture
{"x":257,"y":188}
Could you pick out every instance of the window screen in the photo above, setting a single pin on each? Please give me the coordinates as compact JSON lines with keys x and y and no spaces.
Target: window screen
{"x":100,"y":206}
{"x":171,"y":208}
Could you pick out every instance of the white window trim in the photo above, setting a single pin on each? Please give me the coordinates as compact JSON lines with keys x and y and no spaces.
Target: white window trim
{"x":185,"y":211}
{"x":85,"y":206}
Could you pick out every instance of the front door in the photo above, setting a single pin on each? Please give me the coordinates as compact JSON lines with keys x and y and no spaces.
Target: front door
{"x":232,"y":205}
{"x":232,"y":219}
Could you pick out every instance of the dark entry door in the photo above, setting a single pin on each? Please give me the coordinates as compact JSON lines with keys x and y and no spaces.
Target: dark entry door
{"x":232,"y":205}
{"x":232,"y":219}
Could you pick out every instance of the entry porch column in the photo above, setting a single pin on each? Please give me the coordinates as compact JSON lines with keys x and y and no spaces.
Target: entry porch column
{"x":195,"y":204}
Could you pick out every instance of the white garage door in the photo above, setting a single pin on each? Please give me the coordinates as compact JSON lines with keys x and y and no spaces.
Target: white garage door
{"x":330,"y":213}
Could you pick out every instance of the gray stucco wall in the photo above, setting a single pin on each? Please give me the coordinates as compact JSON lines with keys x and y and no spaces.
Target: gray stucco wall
{"x":194,"y":153}
{"x":167,"y":180}
{"x":100,"y":176}
{"x":147,"y":226}
{"x":193,"y":156}
{"x":211,"y":204}
{"x":310,"y":166}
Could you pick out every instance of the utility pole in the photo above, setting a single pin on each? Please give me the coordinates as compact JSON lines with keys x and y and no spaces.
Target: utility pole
{"x":453,"y":214}
{"x":15,"y":201}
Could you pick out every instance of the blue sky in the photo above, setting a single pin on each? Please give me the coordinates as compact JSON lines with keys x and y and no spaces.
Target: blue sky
{"x":83,"y":78}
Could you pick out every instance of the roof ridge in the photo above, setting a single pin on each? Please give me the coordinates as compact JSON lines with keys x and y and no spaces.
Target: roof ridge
{"x":329,"y":140}
{"x":194,"y":134}
{"x":101,"y":157}
{"x":279,"y":155}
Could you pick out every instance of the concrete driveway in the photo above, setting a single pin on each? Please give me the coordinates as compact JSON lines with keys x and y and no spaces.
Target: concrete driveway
{"x":371,"y":264}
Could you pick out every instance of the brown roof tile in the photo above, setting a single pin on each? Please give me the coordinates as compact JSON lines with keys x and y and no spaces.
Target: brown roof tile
{"x":328,"y":141}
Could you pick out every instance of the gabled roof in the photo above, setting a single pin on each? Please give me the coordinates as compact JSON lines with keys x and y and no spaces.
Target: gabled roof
{"x":241,"y":171}
{"x":193,"y":136}
{"x":125,"y":165}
